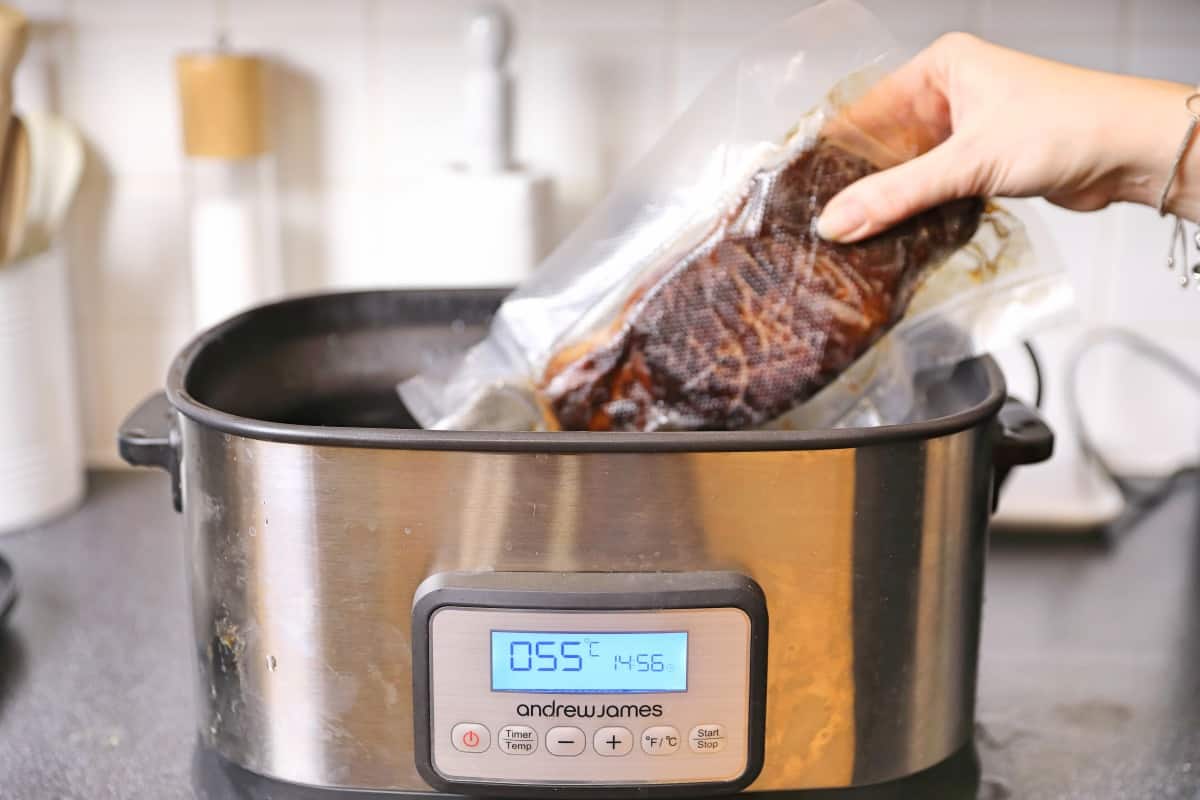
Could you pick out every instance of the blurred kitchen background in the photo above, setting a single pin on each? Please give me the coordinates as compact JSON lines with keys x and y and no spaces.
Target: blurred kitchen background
{"x":366,"y":101}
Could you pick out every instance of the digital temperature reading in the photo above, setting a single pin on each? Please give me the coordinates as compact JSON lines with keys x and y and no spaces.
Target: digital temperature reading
{"x":541,"y":661}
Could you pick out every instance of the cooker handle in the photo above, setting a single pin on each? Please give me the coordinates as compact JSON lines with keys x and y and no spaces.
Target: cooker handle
{"x":149,"y":437}
{"x":1021,"y":437}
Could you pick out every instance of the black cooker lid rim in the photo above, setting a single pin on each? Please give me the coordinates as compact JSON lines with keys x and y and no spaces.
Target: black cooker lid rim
{"x":585,"y":442}
{"x":545,"y":442}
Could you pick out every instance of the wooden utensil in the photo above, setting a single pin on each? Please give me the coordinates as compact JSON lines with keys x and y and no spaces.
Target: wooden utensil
{"x":14,"y":146}
{"x":14,"y":36}
{"x":14,"y":190}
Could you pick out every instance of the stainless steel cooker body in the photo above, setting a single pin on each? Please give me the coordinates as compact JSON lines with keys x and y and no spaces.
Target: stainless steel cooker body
{"x":306,"y":543}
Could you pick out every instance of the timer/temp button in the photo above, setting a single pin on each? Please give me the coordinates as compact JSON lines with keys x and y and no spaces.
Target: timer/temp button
{"x":517,"y":740}
{"x":612,"y":741}
{"x":707,"y":738}
{"x":661,"y":740}
{"x":470,"y":737}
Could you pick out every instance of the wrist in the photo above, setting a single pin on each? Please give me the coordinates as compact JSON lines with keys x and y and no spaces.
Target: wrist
{"x":1154,"y":122}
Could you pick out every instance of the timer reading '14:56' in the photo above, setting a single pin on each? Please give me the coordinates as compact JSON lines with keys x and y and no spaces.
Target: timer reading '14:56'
{"x":558,"y":661}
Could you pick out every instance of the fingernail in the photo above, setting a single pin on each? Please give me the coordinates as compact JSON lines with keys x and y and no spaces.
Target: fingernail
{"x":842,"y":220}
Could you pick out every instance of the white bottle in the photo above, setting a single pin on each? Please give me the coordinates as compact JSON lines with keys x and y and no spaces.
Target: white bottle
{"x":233,"y":222}
{"x":233,"y":237}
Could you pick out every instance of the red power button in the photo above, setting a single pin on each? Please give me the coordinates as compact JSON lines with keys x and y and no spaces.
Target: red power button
{"x":470,"y":737}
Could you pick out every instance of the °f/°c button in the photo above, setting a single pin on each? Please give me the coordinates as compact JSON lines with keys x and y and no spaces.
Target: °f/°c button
{"x":612,"y":741}
{"x":661,"y":740}
{"x":470,"y":737}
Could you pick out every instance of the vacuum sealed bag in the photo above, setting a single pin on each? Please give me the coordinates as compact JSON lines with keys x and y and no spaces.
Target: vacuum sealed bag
{"x":698,"y":296}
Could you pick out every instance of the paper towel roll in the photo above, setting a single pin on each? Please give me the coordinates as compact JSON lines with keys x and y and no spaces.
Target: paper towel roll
{"x":232,"y":237}
{"x":475,"y":229}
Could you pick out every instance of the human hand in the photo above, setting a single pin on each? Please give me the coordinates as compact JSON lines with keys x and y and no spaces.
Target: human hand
{"x":982,"y":120}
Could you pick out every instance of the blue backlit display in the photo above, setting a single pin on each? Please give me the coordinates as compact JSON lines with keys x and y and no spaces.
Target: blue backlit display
{"x":569,"y":662}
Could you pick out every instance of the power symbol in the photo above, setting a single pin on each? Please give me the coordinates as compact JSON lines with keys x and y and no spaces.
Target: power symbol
{"x":470,"y":739}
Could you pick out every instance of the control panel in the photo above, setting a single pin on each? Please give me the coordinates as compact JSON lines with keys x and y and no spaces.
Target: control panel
{"x":600,"y":683}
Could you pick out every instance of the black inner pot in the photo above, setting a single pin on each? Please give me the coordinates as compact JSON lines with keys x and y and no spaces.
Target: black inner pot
{"x":331,"y":362}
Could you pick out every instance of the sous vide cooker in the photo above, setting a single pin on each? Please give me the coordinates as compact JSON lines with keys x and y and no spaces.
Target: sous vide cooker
{"x":605,"y":615}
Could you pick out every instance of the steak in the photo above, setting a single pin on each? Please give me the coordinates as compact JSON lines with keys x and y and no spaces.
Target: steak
{"x":746,"y":326}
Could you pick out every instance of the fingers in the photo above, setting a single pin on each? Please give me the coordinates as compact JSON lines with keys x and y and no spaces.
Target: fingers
{"x":905,"y":114}
{"x":904,"y":120}
{"x":879,"y":201}
{"x":909,"y":111}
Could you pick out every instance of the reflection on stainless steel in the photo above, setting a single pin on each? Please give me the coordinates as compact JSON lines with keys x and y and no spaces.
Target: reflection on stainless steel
{"x":306,"y":558}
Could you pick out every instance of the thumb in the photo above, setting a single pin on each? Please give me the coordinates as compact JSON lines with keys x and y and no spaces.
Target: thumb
{"x":879,"y":201}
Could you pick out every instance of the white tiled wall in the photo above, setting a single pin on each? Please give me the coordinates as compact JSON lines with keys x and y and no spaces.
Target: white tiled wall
{"x":366,"y":99}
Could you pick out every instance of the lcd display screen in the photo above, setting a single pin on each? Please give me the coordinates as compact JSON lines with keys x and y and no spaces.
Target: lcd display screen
{"x":597,"y":663}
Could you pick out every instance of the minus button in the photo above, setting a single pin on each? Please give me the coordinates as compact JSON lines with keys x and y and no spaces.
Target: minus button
{"x":565,"y":741}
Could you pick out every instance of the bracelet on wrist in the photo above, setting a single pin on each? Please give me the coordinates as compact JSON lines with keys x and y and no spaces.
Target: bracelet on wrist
{"x":1177,"y":253}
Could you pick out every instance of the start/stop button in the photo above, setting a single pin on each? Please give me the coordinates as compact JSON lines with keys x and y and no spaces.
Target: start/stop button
{"x":707,"y":738}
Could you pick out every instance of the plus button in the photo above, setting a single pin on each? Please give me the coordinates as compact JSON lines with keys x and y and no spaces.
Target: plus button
{"x":613,"y":741}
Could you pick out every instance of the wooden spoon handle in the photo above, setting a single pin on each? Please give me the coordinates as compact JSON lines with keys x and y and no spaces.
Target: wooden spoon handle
{"x":14,"y":168}
{"x":14,"y":35}
{"x":14,"y":191}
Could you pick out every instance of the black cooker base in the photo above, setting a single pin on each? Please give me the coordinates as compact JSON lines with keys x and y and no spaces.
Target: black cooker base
{"x":214,"y":778}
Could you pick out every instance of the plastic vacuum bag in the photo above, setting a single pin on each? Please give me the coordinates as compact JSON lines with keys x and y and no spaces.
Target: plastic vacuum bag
{"x":698,"y":295}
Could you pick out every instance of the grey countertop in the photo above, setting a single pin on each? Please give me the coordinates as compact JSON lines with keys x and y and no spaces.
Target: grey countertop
{"x":1089,"y":677}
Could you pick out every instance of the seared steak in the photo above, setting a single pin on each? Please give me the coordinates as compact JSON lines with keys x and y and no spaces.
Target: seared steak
{"x":744,"y":327}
